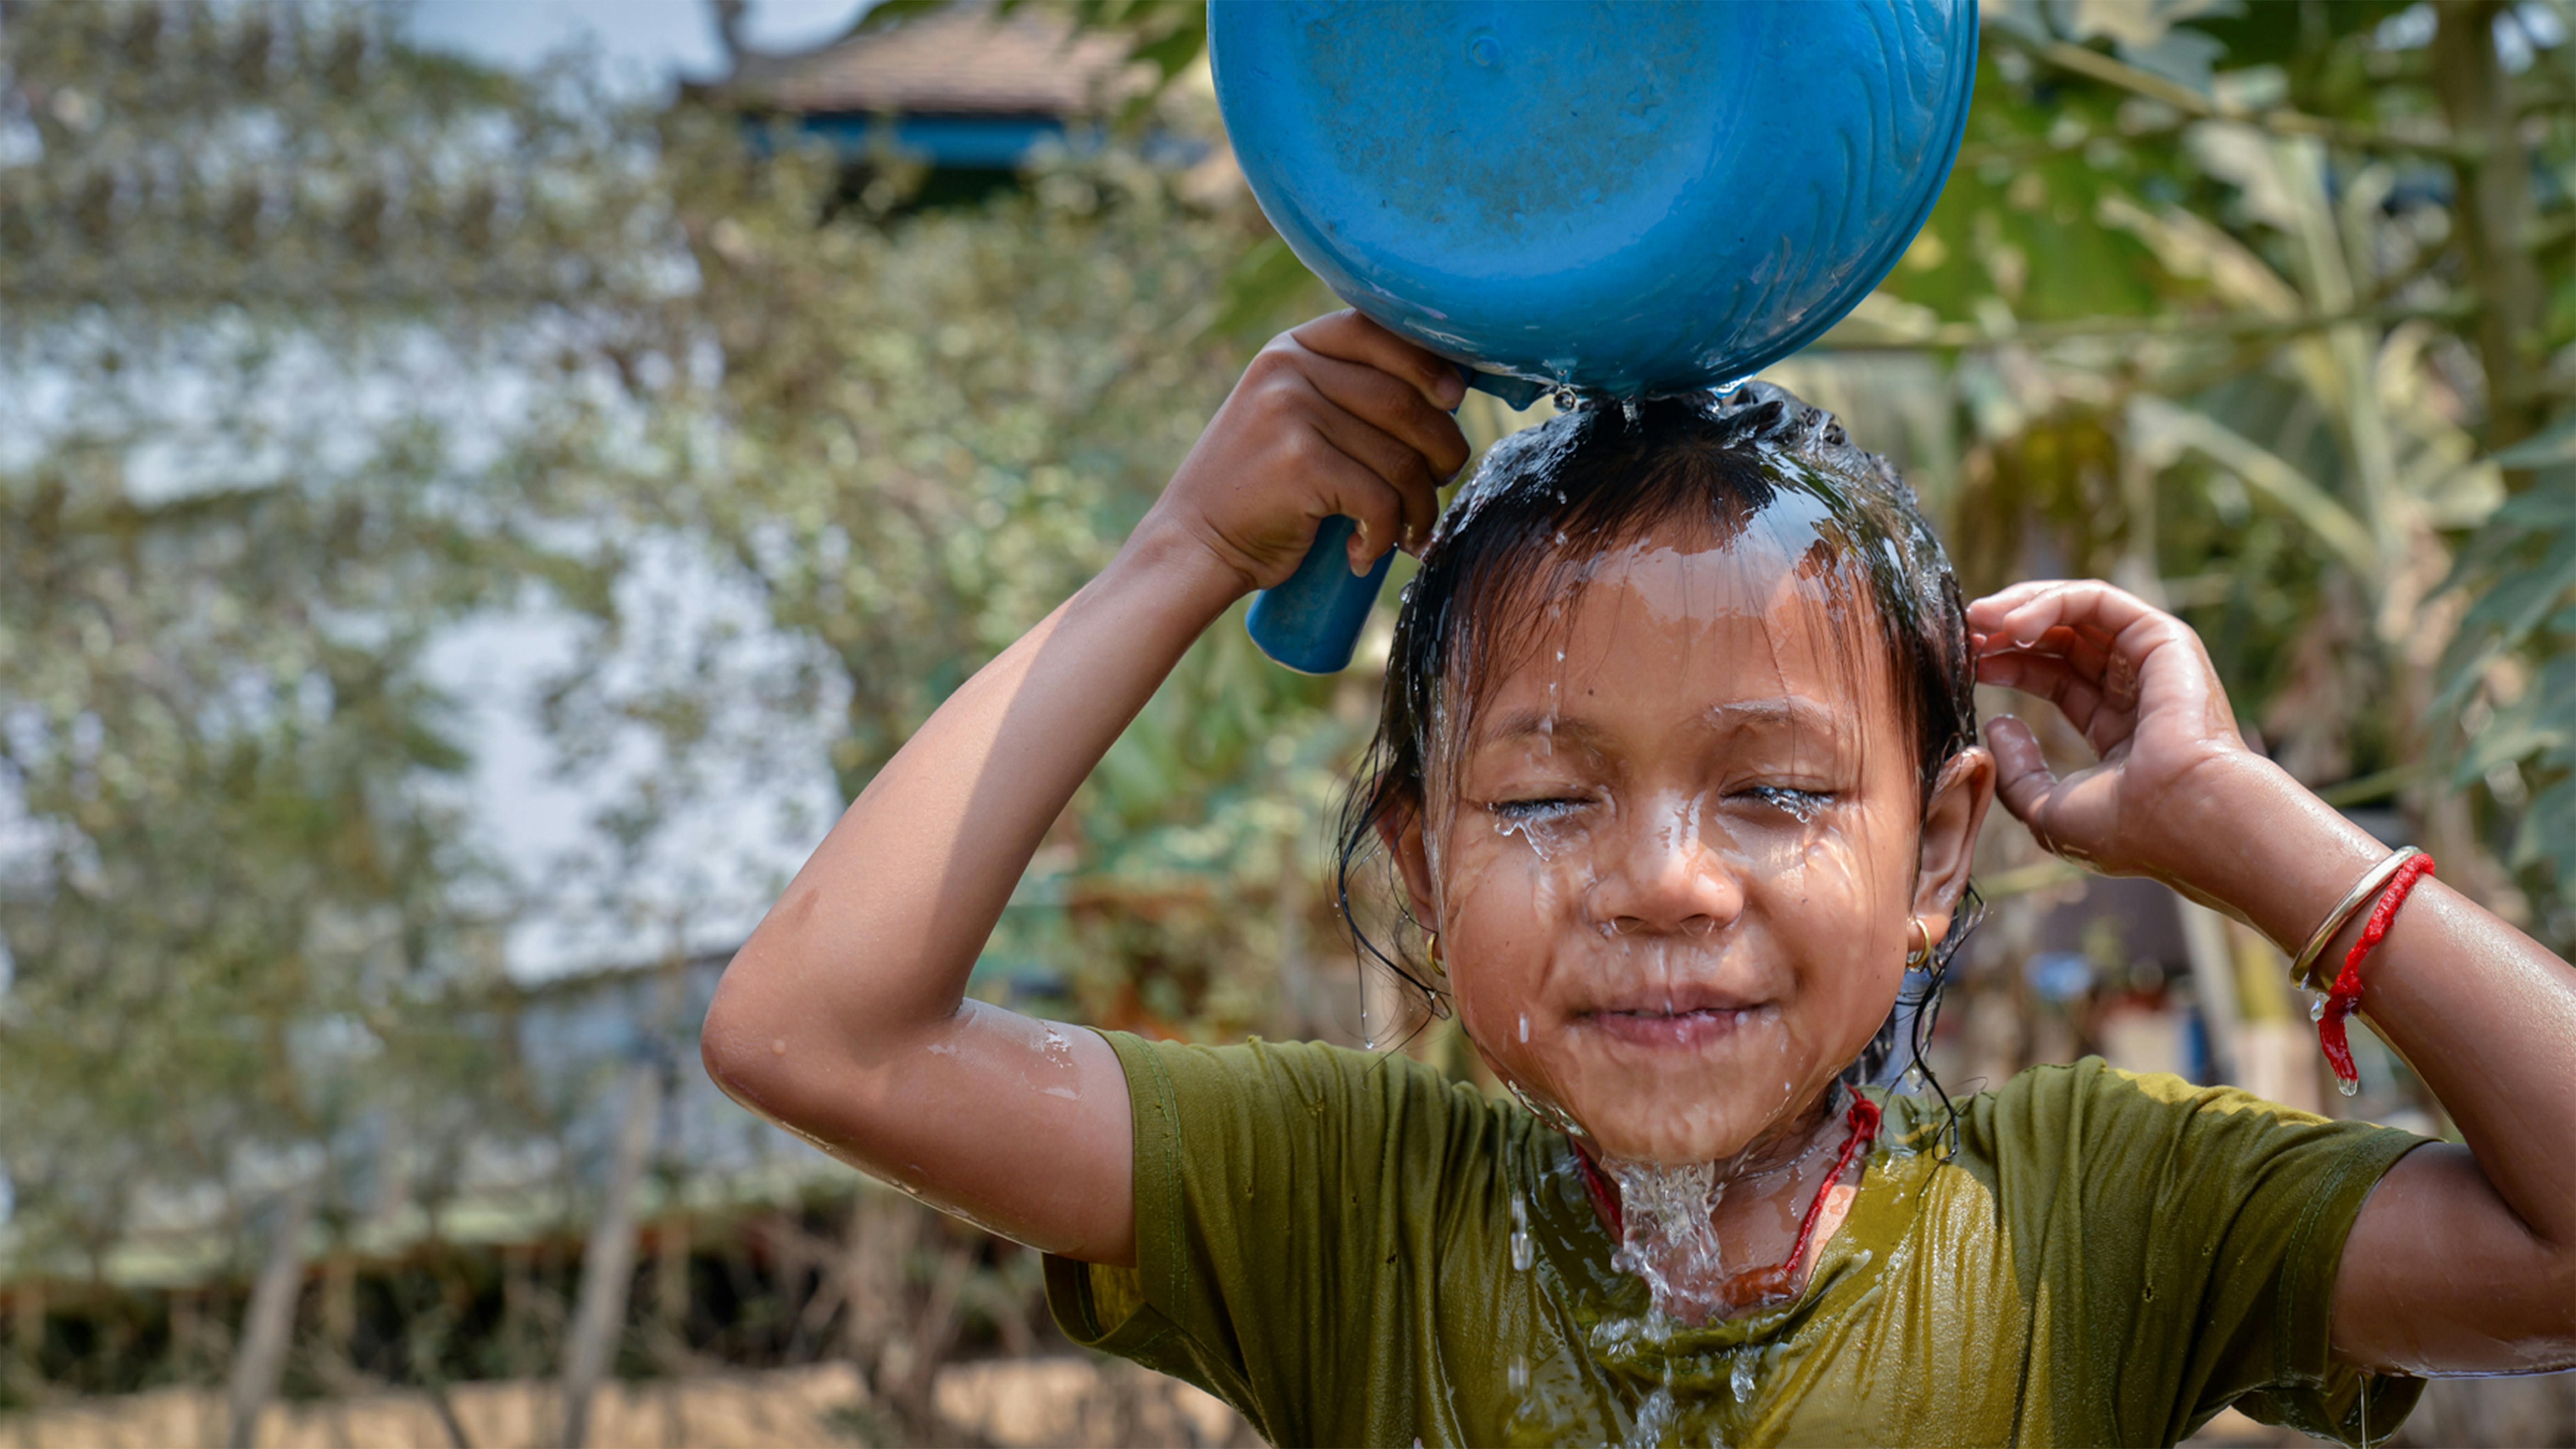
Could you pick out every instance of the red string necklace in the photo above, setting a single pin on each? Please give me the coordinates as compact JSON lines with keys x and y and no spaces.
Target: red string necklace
{"x":1753,"y":1285}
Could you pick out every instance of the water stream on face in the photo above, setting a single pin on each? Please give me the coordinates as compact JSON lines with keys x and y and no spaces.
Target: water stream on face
{"x":1667,"y":1236}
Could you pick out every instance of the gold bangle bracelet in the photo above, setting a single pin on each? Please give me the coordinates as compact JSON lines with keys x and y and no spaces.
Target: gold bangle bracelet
{"x":2303,"y":969}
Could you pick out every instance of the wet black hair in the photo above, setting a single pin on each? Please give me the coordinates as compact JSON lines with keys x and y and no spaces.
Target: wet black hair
{"x":1602,"y":475}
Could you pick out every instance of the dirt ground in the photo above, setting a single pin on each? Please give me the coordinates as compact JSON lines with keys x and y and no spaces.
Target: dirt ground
{"x":1043,"y":1401}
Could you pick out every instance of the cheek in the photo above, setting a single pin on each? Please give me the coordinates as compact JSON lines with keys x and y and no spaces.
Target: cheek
{"x":1843,"y":901}
{"x":1502,"y":910}
{"x":1494,"y":899}
{"x":1496,"y":887}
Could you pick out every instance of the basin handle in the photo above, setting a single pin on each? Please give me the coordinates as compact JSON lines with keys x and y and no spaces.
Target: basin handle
{"x":1311,"y":620}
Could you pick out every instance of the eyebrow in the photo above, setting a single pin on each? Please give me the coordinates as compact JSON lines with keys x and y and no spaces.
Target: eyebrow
{"x":1788,"y":712}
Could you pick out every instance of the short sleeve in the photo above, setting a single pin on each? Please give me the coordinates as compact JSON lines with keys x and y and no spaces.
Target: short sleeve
{"x":2181,"y":1245}
{"x":1286,"y":1194}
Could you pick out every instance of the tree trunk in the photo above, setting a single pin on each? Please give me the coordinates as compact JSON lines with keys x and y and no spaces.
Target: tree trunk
{"x":27,"y":1338}
{"x":2494,"y":215}
{"x":268,"y":1323}
{"x":671,"y":1288}
{"x":608,"y":1261}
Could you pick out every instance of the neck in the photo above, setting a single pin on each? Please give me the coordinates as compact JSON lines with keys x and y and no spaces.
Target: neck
{"x":1817,"y":1128}
{"x":1764,"y":1206}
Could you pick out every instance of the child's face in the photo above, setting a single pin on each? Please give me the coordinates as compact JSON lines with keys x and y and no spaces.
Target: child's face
{"x":1676,"y":882}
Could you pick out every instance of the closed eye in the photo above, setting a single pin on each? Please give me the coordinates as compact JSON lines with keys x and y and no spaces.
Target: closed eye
{"x":1802,"y":805}
{"x":1535,"y":811}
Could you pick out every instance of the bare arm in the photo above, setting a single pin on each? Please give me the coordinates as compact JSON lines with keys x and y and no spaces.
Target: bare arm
{"x":2464,"y":1258}
{"x":844,"y":1018}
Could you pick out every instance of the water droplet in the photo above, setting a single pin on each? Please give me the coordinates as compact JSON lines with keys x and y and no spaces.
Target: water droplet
{"x":2317,"y":1009}
{"x":1654,"y":1421}
{"x":1564,"y":399}
{"x":1484,"y":50}
{"x":1629,"y":411}
{"x":2348,"y":1085}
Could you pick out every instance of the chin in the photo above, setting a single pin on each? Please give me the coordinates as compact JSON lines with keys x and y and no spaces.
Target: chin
{"x":1681,"y":1135}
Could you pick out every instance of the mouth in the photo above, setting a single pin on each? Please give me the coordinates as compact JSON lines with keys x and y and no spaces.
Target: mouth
{"x":1681,"y":1024}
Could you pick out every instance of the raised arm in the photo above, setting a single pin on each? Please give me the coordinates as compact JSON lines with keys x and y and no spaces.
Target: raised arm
{"x":2464,"y":1258}
{"x":844,"y":1017}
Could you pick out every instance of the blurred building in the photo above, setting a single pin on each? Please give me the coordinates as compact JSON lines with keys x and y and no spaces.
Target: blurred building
{"x":963,"y":93}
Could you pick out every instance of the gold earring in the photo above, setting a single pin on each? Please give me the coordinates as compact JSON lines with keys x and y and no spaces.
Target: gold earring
{"x":1917,"y":960}
{"x":1433,"y":937}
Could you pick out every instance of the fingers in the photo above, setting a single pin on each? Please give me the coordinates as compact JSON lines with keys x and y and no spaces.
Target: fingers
{"x":1378,"y":510}
{"x":1374,"y":398}
{"x":1394,"y":407}
{"x":2087,"y":650}
{"x":2025,"y":612}
{"x":2092,"y":701}
{"x":1417,"y":491}
{"x":1337,"y":483}
{"x":2023,"y":780}
{"x":1347,"y":336}
{"x":2124,"y":648}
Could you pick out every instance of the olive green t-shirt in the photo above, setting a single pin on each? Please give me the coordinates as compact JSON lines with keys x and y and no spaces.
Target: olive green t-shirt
{"x":1324,"y":1240}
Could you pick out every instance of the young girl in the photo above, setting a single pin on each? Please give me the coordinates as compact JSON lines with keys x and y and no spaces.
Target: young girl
{"x":1679,"y":776}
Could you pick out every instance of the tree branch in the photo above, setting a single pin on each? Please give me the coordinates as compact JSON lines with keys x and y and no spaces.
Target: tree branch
{"x":2279,"y":120}
{"x":2494,"y":220}
{"x":1966,"y":336}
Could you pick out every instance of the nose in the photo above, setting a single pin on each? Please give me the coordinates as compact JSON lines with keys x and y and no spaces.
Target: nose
{"x":1664,"y":876}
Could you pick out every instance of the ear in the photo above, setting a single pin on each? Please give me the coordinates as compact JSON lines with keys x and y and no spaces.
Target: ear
{"x":1950,"y":825}
{"x":1400,"y":831}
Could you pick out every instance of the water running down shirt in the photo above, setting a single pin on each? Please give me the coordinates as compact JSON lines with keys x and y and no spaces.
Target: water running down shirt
{"x":1325,"y":1239}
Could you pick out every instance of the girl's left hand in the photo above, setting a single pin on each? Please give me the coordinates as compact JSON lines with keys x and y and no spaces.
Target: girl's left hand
{"x":2136,"y":681}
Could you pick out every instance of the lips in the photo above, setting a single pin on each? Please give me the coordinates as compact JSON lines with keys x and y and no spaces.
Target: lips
{"x":1686,"y":1017}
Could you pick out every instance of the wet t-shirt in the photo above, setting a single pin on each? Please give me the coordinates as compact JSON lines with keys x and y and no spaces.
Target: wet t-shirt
{"x":1324,"y":1240}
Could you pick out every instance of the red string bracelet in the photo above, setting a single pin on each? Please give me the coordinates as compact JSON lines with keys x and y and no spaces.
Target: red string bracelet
{"x":2345,"y":998}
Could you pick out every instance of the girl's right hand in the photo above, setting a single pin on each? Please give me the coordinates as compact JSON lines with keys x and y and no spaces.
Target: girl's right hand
{"x":1339,"y":415}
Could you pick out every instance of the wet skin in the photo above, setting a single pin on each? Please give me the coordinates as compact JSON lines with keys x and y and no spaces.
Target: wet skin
{"x":1685,"y":853}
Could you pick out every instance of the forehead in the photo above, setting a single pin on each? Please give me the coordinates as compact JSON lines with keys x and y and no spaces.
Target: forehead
{"x":1761,"y":630}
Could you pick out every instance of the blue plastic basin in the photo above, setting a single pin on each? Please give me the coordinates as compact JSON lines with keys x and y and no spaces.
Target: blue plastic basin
{"x":1631,"y":198}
